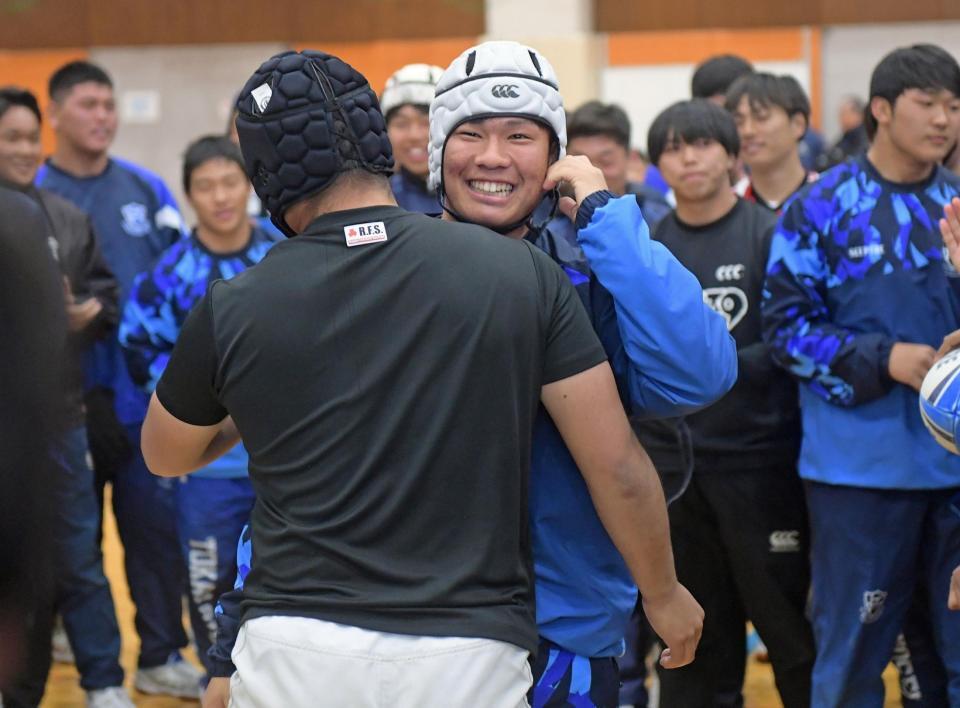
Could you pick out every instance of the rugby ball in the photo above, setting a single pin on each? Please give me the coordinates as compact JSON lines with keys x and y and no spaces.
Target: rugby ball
{"x":940,"y":401}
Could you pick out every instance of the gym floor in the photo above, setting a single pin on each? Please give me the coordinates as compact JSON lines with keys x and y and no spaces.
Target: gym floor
{"x":63,"y":688}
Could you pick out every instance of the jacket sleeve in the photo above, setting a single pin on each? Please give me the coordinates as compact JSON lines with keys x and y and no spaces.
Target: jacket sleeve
{"x":842,"y":367}
{"x":228,"y":613}
{"x":148,"y":331}
{"x":678,"y":354}
{"x":99,"y":282}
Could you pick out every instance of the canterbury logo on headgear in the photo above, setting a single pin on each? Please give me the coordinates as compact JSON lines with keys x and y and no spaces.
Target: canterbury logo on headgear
{"x":505,"y":91}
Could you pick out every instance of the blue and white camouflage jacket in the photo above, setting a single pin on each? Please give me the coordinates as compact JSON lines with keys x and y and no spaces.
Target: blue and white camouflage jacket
{"x":857,"y":265}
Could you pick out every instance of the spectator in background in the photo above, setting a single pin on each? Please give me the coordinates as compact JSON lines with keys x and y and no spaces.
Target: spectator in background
{"x":135,"y":219}
{"x":405,"y":103}
{"x":857,"y":298}
{"x":740,"y":528}
{"x":772,"y":115}
{"x":82,"y":593}
{"x":601,"y":133}
{"x":214,"y":503}
{"x":710,"y":80}
{"x":713,"y":77}
{"x":853,"y":139}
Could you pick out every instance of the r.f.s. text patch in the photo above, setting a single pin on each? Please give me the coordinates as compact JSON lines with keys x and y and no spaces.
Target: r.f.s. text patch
{"x":362,"y":234}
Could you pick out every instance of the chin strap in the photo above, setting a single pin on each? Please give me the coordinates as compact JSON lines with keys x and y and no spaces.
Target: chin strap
{"x":553,"y":195}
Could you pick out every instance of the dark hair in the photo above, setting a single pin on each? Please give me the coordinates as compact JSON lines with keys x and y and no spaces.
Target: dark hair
{"x":209,"y":147}
{"x":76,"y":72}
{"x":11,"y":96}
{"x":764,"y":90}
{"x":692,"y":120}
{"x":596,"y":118}
{"x":922,"y":66}
{"x":715,"y":75}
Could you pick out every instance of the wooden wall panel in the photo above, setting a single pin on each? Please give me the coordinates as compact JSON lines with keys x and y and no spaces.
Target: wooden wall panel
{"x":32,"y":24}
{"x":35,"y":24}
{"x":378,"y":60}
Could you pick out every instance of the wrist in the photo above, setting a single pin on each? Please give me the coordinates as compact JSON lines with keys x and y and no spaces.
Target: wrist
{"x":655,"y":593}
{"x":590,"y":204}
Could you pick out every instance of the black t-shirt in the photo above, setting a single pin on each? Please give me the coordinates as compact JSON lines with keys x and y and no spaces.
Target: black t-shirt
{"x":386,"y":393}
{"x":757,"y":424}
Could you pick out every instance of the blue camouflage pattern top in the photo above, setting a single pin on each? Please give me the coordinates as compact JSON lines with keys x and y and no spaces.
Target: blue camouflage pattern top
{"x":160,"y":300}
{"x":856,"y":265}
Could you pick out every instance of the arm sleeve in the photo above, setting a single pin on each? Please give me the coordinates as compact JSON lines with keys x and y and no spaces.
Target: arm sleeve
{"x":186,"y":389}
{"x":571,"y":344}
{"x":100,"y":283}
{"x":228,"y":613}
{"x":678,"y":354}
{"x":168,"y":221}
{"x":148,"y":331}
{"x":844,"y":368}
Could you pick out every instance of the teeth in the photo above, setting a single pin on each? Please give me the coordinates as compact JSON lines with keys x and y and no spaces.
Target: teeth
{"x":491,"y":187}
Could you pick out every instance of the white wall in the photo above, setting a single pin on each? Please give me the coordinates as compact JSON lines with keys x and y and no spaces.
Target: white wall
{"x":191,"y":89}
{"x":851,"y":52}
{"x":644,"y":91}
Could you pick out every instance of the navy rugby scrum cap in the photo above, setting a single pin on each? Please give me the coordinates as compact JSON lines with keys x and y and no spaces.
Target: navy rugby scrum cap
{"x":303,"y":118}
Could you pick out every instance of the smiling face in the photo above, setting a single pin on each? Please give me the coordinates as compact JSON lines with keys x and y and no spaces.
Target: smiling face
{"x":19,"y":146}
{"x":86,"y":117}
{"x":697,"y":171}
{"x":921,"y":125}
{"x":768,"y":136}
{"x":218,"y":194}
{"x":494,"y":169}
{"x":409,"y":133}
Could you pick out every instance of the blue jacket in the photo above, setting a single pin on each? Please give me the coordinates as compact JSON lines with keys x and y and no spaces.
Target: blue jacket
{"x":135,"y":218}
{"x":159,"y":303}
{"x":412,"y":193}
{"x":855,"y":266}
{"x":671,"y":355}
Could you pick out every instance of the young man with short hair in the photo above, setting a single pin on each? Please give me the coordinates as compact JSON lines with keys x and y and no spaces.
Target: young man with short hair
{"x":601,"y":133}
{"x":384,"y":393}
{"x":772,"y":115}
{"x":495,"y":162}
{"x":714,"y":76}
{"x":213,"y":504}
{"x":740,"y":528}
{"x":83,"y":593}
{"x":858,"y":297}
{"x":405,"y":102}
{"x":135,"y":218}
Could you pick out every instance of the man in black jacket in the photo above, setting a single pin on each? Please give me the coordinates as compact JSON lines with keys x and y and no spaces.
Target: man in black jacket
{"x":90,"y":294}
{"x":739,"y":530}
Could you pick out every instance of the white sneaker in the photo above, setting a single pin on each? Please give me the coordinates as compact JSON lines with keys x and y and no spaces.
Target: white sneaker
{"x":60,"y":645}
{"x":175,"y":678}
{"x":113,"y":697}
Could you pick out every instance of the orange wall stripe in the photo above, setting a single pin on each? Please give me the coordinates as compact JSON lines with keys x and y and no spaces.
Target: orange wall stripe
{"x":693,"y":46}
{"x":378,"y":59}
{"x":31,"y":69}
{"x":815,"y":46}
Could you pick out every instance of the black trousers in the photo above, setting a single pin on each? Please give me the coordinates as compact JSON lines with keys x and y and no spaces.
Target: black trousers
{"x":741,"y":544}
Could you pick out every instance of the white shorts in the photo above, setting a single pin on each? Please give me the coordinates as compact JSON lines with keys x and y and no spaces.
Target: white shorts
{"x":289,"y":662}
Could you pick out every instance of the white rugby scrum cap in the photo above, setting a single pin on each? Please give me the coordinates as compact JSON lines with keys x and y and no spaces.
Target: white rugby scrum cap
{"x":413,"y":84}
{"x":494,"y":79}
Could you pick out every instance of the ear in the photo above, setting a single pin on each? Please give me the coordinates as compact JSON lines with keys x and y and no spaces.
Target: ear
{"x":53,"y":114}
{"x":799,"y":126}
{"x":881,"y":109}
